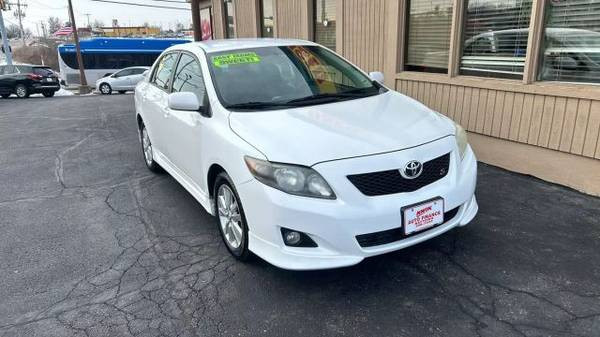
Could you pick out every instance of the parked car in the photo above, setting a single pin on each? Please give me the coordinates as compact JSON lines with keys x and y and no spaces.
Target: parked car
{"x":306,"y":161}
{"x":122,"y":81}
{"x":24,"y":80}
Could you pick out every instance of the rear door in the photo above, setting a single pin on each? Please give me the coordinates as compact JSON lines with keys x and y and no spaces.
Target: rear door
{"x":155,"y":100}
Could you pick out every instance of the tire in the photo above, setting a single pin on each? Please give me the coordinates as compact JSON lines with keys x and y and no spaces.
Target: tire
{"x":105,"y":89}
{"x":147,"y":150}
{"x":122,"y":92}
{"x":21,"y":91}
{"x":5,"y":95}
{"x":231,"y":218}
{"x":48,"y":93}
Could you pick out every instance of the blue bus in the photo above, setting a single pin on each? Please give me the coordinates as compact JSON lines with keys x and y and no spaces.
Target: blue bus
{"x":103,"y":56}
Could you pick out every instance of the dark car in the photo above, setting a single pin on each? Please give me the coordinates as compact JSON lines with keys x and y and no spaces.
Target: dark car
{"x":24,"y":80}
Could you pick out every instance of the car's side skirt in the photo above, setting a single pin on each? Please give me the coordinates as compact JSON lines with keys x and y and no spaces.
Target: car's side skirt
{"x":202,"y":197}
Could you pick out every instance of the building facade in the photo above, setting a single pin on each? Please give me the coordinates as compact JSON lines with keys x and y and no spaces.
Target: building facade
{"x":522,"y":76}
{"x":140,"y":31}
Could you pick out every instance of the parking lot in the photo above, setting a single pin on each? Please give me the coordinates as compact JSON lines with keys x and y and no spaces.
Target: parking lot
{"x":93,"y":244}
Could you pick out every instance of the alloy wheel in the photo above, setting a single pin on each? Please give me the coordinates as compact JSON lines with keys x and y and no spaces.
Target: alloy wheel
{"x":21,"y":91}
{"x":147,"y":146}
{"x":230,"y":217}
{"x":105,"y":89}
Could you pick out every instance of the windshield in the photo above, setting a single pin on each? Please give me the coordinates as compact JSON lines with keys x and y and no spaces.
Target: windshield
{"x":283,"y":76}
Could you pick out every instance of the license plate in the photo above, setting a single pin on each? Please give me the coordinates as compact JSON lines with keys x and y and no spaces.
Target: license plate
{"x":421,"y":216}
{"x":49,"y":80}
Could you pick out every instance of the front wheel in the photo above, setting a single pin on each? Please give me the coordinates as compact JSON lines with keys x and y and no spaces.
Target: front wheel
{"x":232,"y":221}
{"x":48,"y":93}
{"x":21,"y":91}
{"x":105,"y":89}
{"x":5,"y":95}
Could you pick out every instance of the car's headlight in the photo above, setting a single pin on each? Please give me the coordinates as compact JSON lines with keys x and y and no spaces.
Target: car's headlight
{"x":292,"y":179}
{"x":461,"y":139}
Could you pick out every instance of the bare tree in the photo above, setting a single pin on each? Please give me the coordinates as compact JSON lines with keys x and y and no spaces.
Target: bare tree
{"x":13,"y":31}
{"x":97,"y":24}
{"x":54,"y":24}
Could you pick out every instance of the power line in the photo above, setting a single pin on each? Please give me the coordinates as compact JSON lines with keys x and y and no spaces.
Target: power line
{"x":172,"y":1}
{"x":141,"y":5}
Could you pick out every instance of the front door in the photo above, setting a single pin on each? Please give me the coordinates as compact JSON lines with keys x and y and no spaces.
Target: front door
{"x":120,"y":79}
{"x":185,"y":127}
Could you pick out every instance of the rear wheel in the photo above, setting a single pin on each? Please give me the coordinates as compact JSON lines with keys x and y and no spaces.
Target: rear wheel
{"x":147,"y":150}
{"x":48,"y":93}
{"x":232,"y":221}
{"x":21,"y":91}
{"x":105,"y":89}
{"x":5,"y":95}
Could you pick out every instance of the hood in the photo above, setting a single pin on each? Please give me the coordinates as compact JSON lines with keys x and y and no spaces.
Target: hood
{"x":319,"y":133}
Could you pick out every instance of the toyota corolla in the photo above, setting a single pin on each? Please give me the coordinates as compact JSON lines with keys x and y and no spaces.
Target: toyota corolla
{"x":305,"y":160}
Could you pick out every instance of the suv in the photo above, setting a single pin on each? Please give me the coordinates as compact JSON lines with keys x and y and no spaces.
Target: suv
{"x":24,"y":80}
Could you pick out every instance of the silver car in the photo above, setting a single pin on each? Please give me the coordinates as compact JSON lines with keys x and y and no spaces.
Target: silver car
{"x":122,"y":81}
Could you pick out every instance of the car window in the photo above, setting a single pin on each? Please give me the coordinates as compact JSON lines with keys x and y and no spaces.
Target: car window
{"x":164,"y":70}
{"x":188,"y":76}
{"x":9,"y":70}
{"x":137,"y":71}
{"x":24,"y":69}
{"x":43,"y":71}
{"x":122,"y":73}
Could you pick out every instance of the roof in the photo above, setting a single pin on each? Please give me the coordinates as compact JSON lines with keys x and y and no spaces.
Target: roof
{"x":132,"y":45}
{"x":210,"y":46}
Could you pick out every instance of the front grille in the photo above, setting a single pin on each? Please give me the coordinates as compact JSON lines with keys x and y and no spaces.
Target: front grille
{"x":391,"y":182}
{"x":396,"y":234}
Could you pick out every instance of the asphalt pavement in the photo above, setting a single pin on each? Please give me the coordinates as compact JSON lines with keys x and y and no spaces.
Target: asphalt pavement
{"x":94,"y":244}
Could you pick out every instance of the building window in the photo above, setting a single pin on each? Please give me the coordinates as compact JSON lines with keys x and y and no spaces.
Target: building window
{"x":495,"y":38}
{"x":206,"y":23}
{"x":325,"y":23}
{"x":428,"y":39}
{"x":267,"y":16}
{"x":228,"y":7}
{"x":571,"y":45}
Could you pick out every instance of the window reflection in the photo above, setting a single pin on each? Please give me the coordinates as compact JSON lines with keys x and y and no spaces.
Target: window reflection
{"x":495,"y":38}
{"x":571,"y":50}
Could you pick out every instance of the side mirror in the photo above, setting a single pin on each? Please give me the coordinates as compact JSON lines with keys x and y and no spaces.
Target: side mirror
{"x":377,"y":76}
{"x":186,"y":101}
{"x":145,"y":73}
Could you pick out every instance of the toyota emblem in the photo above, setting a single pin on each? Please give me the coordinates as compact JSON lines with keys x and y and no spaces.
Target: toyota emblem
{"x":412,"y":169}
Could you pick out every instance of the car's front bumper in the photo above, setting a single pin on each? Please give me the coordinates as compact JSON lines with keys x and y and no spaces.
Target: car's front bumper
{"x":334,"y":224}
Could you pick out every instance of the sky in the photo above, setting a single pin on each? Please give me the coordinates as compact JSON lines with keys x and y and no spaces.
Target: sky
{"x":41,"y":10}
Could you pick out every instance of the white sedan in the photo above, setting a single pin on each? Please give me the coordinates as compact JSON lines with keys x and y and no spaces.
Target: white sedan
{"x":306,"y":161}
{"x":122,"y":81}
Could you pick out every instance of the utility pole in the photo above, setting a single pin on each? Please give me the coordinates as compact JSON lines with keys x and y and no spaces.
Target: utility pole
{"x":5,"y":45}
{"x":83,"y":87}
{"x":88,"y":19}
{"x":20,"y":14}
{"x":45,"y":34}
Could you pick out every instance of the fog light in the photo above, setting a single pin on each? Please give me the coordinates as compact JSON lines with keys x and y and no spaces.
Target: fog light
{"x":296,"y":238}
{"x":292,"y":238}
